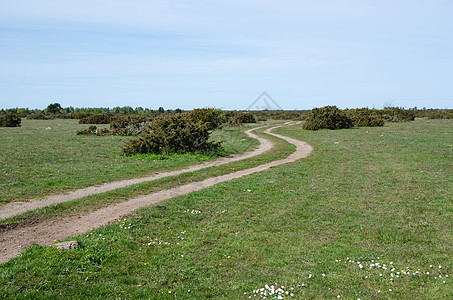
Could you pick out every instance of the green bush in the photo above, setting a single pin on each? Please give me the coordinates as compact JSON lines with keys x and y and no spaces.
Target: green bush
{"x":211,"y":117}
{"x":173,"y":134}
{"x":328,"y":117}
{"x":238,"y":118}
{"x":245,"y":118}
{"x":93,"y":130}
{"x":40,"y":116}
{"x":10,"y":120}
{"x":96,"y":119}
{"x":441,"y":115}
{"x":130,"y":124}
{"x":396,"y":114}
{"x":364,"y":117}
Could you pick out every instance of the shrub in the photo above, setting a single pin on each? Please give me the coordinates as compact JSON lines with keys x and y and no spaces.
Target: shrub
{"x":441,"y":115}
{"x":246,"y":118}
{"x":93,"y":130}
{"x":237,"y":118}
{"x":173,"y":134}
{"x":130,"y":125}
{"x":40,"y":116}
{"x":365,"y":117}
{"x":96,"y":119}
{"x":211,"y":117}
{"x":10,"y":120}
{"x":328,"y":117}
{"x":396,"y":114}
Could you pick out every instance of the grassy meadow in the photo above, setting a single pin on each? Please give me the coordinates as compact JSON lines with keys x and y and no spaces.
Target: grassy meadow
{"x":368,"y":215}
{"x":45,"y":157}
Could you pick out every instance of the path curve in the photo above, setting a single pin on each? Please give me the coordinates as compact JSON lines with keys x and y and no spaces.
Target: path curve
{"x":17,"y":208}
{"x":15,"y":240}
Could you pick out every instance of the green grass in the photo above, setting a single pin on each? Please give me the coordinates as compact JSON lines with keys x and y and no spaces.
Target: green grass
{"x":35,"y":162}
{"x":93,"y":202}
{"x":382,"y":194}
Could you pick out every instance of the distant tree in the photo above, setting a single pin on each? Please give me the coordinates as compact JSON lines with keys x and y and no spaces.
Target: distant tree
{"x":161,"y":110}
{"x":54,"y":108}
{"x":178,"y":110}
{"x":127,"y":109}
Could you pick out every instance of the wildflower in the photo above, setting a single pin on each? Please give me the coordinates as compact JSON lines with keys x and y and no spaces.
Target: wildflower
{"x":169,"y":292}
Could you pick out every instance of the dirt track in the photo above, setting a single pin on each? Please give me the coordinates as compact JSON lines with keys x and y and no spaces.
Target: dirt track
{"x":15,"y":240}
{"x":17,"y":208}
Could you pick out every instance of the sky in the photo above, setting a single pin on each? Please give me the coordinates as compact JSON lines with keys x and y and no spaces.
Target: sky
{"x":225,"y":53}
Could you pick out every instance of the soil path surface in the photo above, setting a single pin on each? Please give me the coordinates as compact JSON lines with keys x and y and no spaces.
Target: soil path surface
{"x":13,"y":241}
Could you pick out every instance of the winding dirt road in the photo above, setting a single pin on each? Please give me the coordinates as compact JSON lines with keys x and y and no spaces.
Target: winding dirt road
{"x":13,"y":241}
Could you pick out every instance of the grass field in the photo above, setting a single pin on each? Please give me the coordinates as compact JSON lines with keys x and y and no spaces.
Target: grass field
{"x":368,"y":215}
{"x":35,"y":161}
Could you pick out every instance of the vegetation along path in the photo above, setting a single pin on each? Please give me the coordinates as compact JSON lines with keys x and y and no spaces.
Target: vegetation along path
{"x":17,"y":239}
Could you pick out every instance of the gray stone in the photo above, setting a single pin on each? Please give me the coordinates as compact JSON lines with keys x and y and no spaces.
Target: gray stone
{"x":70,"y":245}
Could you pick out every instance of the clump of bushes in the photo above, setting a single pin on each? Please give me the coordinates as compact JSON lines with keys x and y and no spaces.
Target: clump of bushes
{"x":96,"y":119}
{"x":328,"y":117}
{"x":245,"y":118}
{"x":130,"y":125}
{"x":40,"y":116}
{"x":364,"y":117}
{"x":93,"y":130}
{"x":238,"y":118}
{"x":441,"y":115}
{"x":10,"y":120}
{"x":396,"y":114}
{"x":211,"y":117}
{"x":179,"y":133}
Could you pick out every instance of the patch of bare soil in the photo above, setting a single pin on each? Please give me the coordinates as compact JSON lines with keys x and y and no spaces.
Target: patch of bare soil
{"x":14,"y":240}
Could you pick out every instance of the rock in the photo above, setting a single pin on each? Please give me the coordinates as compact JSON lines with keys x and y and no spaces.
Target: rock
{"x":70,"y":245}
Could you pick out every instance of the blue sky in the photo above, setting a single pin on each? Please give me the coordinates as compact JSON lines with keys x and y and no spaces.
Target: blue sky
{"x":225,"y":53}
